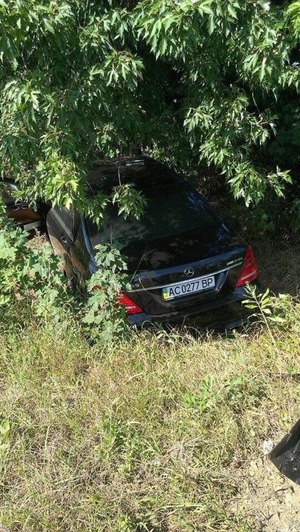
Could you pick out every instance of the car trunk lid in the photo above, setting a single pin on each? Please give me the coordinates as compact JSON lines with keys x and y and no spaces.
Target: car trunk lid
{"x":211,"y":275}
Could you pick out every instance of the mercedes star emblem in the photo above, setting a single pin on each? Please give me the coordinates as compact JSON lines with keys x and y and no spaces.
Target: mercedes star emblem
{"x":189,"y":272}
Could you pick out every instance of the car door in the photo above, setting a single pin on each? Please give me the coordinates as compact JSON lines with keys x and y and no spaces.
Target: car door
{"x":66,"y":236}
{"x":62,"y":225}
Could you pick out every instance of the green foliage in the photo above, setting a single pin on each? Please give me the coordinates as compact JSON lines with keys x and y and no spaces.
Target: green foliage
{"x":106,"y":317}
{"x":142,"y":434}
{"x":293,"y":11}
{"x":30,"y":276}
{"x":64,"y":67}
{"x":192,"y":78}
{"x":269,"y":310}
{"x":203,"y":400}
{"x":247,"y":183}
{"x":4,"y":440}
{"x":145,"y":433}
{"x":130,"y":201}
{"x":235,"y":60}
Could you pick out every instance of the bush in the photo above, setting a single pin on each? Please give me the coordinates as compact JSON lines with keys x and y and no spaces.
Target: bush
{"x":30,"y":277}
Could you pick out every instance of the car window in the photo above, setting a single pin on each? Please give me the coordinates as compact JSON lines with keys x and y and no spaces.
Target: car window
{"x":68,"y":221}
{"x":141,"y":176}
{"x":171,"y":210}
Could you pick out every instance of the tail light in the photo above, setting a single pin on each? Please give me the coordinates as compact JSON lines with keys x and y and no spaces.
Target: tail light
{"x":130,"y":306}
{"x":250,"y":270}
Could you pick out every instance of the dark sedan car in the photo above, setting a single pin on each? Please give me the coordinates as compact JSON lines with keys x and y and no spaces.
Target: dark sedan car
{"x":183,"y":258}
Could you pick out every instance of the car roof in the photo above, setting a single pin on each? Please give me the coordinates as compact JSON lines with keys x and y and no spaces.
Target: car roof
{"x":142,"y":171}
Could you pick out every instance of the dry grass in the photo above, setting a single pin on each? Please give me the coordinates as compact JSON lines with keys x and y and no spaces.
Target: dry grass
{"x":279,"y":267}
{"x":159,"y":433}
{"x":150,"y":434}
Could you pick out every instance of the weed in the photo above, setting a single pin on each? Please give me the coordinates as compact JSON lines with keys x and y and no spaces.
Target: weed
{"x":268,"y":309}
{"x":106,"y":317}
{"x":144,"y":434}
{"x":4,"y":440}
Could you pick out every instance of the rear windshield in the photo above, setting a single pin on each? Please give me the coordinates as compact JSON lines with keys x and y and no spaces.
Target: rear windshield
{"x":171,"y":211}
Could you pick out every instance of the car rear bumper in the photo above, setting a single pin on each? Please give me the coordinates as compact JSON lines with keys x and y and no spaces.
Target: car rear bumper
{"x":225,"y":313}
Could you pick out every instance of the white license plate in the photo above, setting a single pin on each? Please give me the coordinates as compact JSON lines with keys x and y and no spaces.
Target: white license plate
{"x":188,"y":287}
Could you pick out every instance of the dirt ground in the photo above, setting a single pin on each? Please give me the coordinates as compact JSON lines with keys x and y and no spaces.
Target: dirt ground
{"x":270,"y":501}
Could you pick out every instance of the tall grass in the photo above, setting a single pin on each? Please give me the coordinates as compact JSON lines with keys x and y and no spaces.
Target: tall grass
{"x":147,"y":434}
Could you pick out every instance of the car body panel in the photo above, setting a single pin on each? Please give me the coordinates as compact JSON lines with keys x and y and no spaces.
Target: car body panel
{"x":151,"y":283}
{"x":175,"y":242}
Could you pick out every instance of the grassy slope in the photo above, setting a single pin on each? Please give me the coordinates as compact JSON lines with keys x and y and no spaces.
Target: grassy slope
{"x":147,"y":435}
